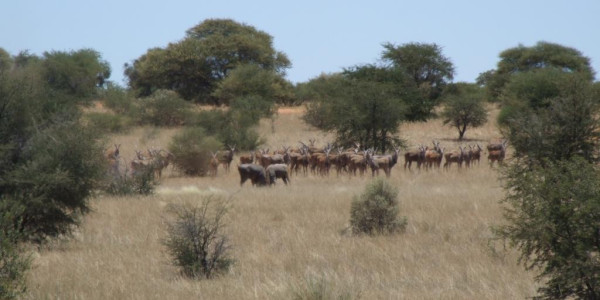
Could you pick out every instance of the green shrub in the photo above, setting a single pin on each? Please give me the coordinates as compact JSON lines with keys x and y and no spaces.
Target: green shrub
{"x":164,"y":108}
{"x":118,"y":100}
{"x":195,"y":238}
{"x":192,"y":151}
{"x":138,"y":183}
{"x":376,"y":210}
{"x":109,"y":123}
{"x":59,"y":169}
{"x":13,"y":263}
{"x":232,"y":127}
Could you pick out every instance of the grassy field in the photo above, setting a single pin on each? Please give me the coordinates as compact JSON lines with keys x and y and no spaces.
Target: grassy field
{"x":288,"y":240}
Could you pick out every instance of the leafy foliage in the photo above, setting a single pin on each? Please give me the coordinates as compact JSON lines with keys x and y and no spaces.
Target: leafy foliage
{"x":196,"y":65}
{"x":164,"y":108}
{"x":566,"y":125}
{"x":196,"y":240}
{"x":141,"y":182}
{"x":553,"y":215}
{"x":543,"y":55}
{"x":192,"y":151}
{"x":13,"y":261}
{"x":360,"y":107}
{"x":464,"y":108}
{"x":50,"y":162}
{"x":376,"y":210}
{"x":425,"y":64}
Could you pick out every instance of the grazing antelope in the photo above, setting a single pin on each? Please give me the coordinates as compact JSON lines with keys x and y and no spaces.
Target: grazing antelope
{"x":213,"y":164}
{"x":227,"y":157}
{"x":417,"y":156}
{"x":454,"y":157}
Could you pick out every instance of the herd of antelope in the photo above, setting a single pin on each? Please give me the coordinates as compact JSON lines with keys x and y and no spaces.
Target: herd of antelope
{"x":152,"y":160}
{"x":263,"y":166}
{"x":322,"y":160}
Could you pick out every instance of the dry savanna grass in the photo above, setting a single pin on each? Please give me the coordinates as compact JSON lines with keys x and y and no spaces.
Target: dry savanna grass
{"x":289,"y":241}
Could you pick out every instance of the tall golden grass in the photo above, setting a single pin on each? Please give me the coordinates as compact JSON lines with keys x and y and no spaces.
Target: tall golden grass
{"x":289,"y":241}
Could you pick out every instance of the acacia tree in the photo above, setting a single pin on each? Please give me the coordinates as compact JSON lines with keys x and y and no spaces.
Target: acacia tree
{"x":196,"y":65}
{"x":464,"y":108}
{"x":361,"y":105}
{"x":429,"y":70}
{"x":522,"y":59}
{"x":553,"y":184}
{"x":50,"y":161}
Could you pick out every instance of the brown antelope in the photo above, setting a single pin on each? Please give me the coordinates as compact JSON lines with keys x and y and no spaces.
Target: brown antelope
{"x":227,"y":157}
{"x":476,"y":154}
{"x":113,"y":154}
{"x":113,"y":157}
{"x":385,"y":162}
{"x":454,"y":157}
{"x":357,"y":162}
{"x":433,"y":157}
{"x":467,"y":156}
{"x":161,"y":161}
{"x":417,"y":156}
{"x":323,"y":162}
{"x":247,"y":158}
{"x":213,"y":164}
{"x":497,"y":155}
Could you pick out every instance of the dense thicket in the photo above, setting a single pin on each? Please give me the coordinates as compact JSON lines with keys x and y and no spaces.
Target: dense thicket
{"x":549,"y":114}
{"x":50,"y":163}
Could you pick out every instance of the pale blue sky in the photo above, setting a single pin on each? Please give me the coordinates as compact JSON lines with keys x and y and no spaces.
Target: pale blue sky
{"x":318,"y":36}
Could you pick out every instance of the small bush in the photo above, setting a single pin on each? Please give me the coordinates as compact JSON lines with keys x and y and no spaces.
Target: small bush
{"x":164,"y":108}
{"x":109,"y":123}
{"x":13,"y":263}
{"x":118,"y":100}
{"x":317,"y":287}
{"x":192,"y":151}
{"x":139,"y":183}
{"x":195,"y":238}
{"x":376,"y":210}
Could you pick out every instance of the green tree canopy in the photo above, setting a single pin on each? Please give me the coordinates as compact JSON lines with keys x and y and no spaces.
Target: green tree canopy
{"x":553,"y":215}
{"x":194,"y":66}
{"x":464,"y":107}
{"x":543,"y":55}
{"x":50,"y":162}
{"x":360,"y":105}
{"x":424,"y":63}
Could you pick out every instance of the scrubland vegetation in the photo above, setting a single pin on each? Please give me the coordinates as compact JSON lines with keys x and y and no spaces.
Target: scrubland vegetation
{"x":291,"y":241}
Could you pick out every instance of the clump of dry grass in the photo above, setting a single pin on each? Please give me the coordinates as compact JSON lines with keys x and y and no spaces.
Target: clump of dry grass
{"x":287,"y":238}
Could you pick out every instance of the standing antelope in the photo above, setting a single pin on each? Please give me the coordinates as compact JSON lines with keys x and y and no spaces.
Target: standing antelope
{"x":417,"y":156}
{"x":227,"y":157}
{"x":113,"y":160}
{"x":454,"y":157}
{"x":213,"y":164}
{"x":476,"y":154}
{"x":497,"y":154}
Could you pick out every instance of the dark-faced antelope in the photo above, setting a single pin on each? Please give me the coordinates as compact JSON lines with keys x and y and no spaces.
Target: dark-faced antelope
{"x":497,"y":155}
{"x":227,"y":157}
{"x":417,"y":156}
{"x":455,"y":156}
